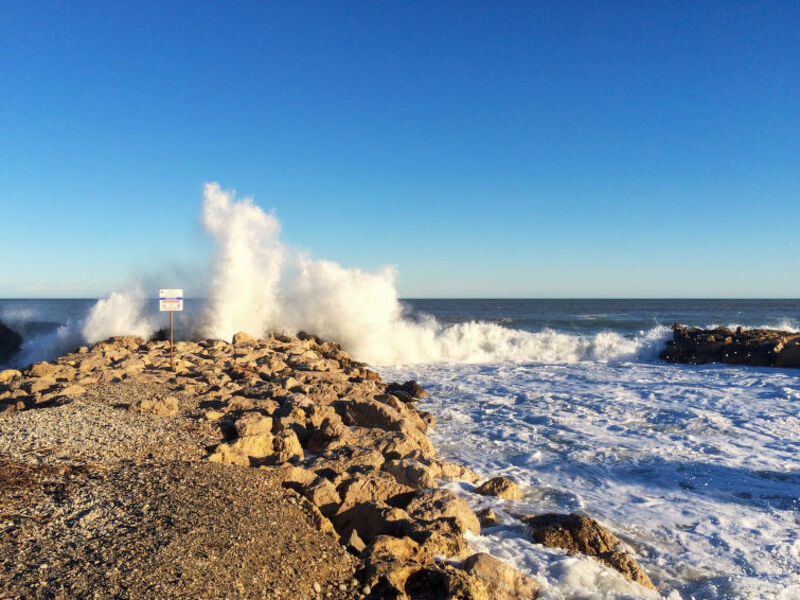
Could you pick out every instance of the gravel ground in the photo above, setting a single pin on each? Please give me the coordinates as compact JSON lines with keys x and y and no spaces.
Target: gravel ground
{"x":99,"y":502}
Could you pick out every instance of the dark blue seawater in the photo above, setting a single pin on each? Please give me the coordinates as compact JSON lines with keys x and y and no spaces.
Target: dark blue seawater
{"x":627,"y":317}
{"x":582,"y":317}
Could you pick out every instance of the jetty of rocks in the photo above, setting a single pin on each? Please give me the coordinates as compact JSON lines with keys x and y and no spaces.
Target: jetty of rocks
{"x":753,"y":347}
{"x":263,"y":468}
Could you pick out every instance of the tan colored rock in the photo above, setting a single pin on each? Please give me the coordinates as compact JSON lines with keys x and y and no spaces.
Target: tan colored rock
{"x":488,"y":518}
{"x":502,"y":581}
{"x":440,"y":537}
{"x":411,"y":473}
{"x":71,"y":391}
{"x":354,"y":543}
{"x":580,"y":534}
{"x":244,"y":339}
{"x":92,"y":362}
{"x":40,"y":369}
{"x":9,"y":375}
{"x":286,"y":446}
{"x":370,"y":519}
{"x":409,"y":581}
{"x":40,"y":384}
{"x":323,"y":494}
{"x":119,"y":342}
{"x":253,"y":423}
{"x":430,"y":505}
{"x":292,"y":476}
{"x":254,"y":446}
{"x":227,"y":456}
{"x":385,"y":548}
{"x":501,"y":487}
{"x":368,"y":488}
{"x":162,"y":406}
{"x":449,"y":471}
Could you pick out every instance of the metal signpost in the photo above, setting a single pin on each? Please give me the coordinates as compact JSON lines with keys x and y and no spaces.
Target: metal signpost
{"x":170,"y":300}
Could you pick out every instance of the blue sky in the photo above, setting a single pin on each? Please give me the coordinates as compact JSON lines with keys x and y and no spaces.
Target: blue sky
{"x":487,"y":149}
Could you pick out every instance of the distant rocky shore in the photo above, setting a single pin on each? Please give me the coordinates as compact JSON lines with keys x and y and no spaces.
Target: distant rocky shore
{"x":754,"y":347}
{"x":261,"y":468}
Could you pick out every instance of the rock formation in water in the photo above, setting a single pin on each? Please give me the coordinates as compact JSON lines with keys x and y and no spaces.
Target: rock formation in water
{"x":754,"y":347}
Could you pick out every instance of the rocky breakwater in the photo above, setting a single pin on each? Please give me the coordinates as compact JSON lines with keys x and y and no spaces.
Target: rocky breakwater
{"x":754,"y":347}
{"x":349,"y":449}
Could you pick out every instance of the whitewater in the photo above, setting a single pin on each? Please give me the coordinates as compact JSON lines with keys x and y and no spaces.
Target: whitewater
{"x":695,"y":468}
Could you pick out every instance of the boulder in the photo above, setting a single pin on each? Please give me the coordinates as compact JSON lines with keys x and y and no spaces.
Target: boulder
{"x":580,"y":534}
{"x":10,"y":343}
{"x":162,"y":406}
{"x":488,"y":518}
{"x":41,"y":369}
{"x":370,"y":519}
{"x":367,"y":488}
{"x":411,"y":473}
{"x":286,"y":447}
{"x":244,"y":339}
{"x":440,"y":537}
{"x":323,"y":494}
{"x":502,"y":581}
{"x":9,"y":375}
{"x":430,"y":505}
{"x":412,"y":388}
{"x":412,"y":581}
{"x":501,"y":487}
{"x":252,"y":423}
{"x":385,"y":548}
{"x":442,"y":469}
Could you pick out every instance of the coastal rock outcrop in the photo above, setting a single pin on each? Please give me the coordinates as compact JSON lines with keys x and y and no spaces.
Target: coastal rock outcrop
{"x":10,"y":343}
{"x":753,"y":347}
{"x":352,"y":451}
{"x":578,"y":534}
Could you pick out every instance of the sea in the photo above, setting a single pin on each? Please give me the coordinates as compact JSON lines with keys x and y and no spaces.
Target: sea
{"x":695,"y":468}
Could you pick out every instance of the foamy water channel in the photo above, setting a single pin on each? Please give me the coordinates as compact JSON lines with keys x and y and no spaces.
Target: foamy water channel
{"x":695,"y":468}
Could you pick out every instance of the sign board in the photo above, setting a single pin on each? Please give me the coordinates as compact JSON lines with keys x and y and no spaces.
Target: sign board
{"x":170,"y":299}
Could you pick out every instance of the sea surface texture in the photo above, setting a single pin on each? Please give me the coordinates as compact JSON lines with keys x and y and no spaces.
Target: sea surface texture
{"x":695,"y":468}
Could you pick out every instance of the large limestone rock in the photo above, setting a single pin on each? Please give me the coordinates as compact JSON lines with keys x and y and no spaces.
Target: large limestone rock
{"x":366,"y":488}
{"x":9,"y":375}
{"x":412,"y":581}
{"x":502,"y":487}
{"x":411,"y":473}
{"x":430,"y":505}
{"x":502,"y":581}
{"x":322,"y":492}
{"x":579,"y":534}
{"x":371,"y":519}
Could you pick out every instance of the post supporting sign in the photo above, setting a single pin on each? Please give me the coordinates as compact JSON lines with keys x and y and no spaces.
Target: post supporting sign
{"x":170,"y":300}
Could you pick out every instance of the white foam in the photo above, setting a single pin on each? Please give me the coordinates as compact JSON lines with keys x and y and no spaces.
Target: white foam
{"x":695,"y":468}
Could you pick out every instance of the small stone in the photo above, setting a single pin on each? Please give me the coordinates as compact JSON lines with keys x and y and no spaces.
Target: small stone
{"x":317,"y":587}
{"x":366,"y":589}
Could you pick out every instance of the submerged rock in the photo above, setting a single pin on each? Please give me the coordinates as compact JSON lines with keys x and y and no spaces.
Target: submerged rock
{"x":582,"y":535}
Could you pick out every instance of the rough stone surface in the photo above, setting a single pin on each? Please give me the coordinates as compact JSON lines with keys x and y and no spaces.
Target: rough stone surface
{"x":579,"y":534}
{"x":502,"y":581}
{"x":502,"y":487}
{"x":754,"y":347}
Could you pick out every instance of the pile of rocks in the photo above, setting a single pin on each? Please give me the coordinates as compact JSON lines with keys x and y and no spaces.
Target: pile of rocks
{"x":754,"y":347}
{"x":352,"y":450}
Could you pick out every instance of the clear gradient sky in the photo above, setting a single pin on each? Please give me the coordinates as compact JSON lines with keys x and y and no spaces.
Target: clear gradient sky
{"x":531,"y":149}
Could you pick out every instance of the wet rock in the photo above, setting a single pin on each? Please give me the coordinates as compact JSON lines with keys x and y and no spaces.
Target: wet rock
{"x":754,"y":347}
{"x":501,"y":487}
{"x":412,"y":388}
{"x":10,"y":343}
{"x":579,"y":534}
{"x":502,"y":581}
{"x":488,"y":518}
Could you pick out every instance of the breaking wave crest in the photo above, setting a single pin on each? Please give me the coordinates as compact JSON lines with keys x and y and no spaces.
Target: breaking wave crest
{"x":259,"y":285}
